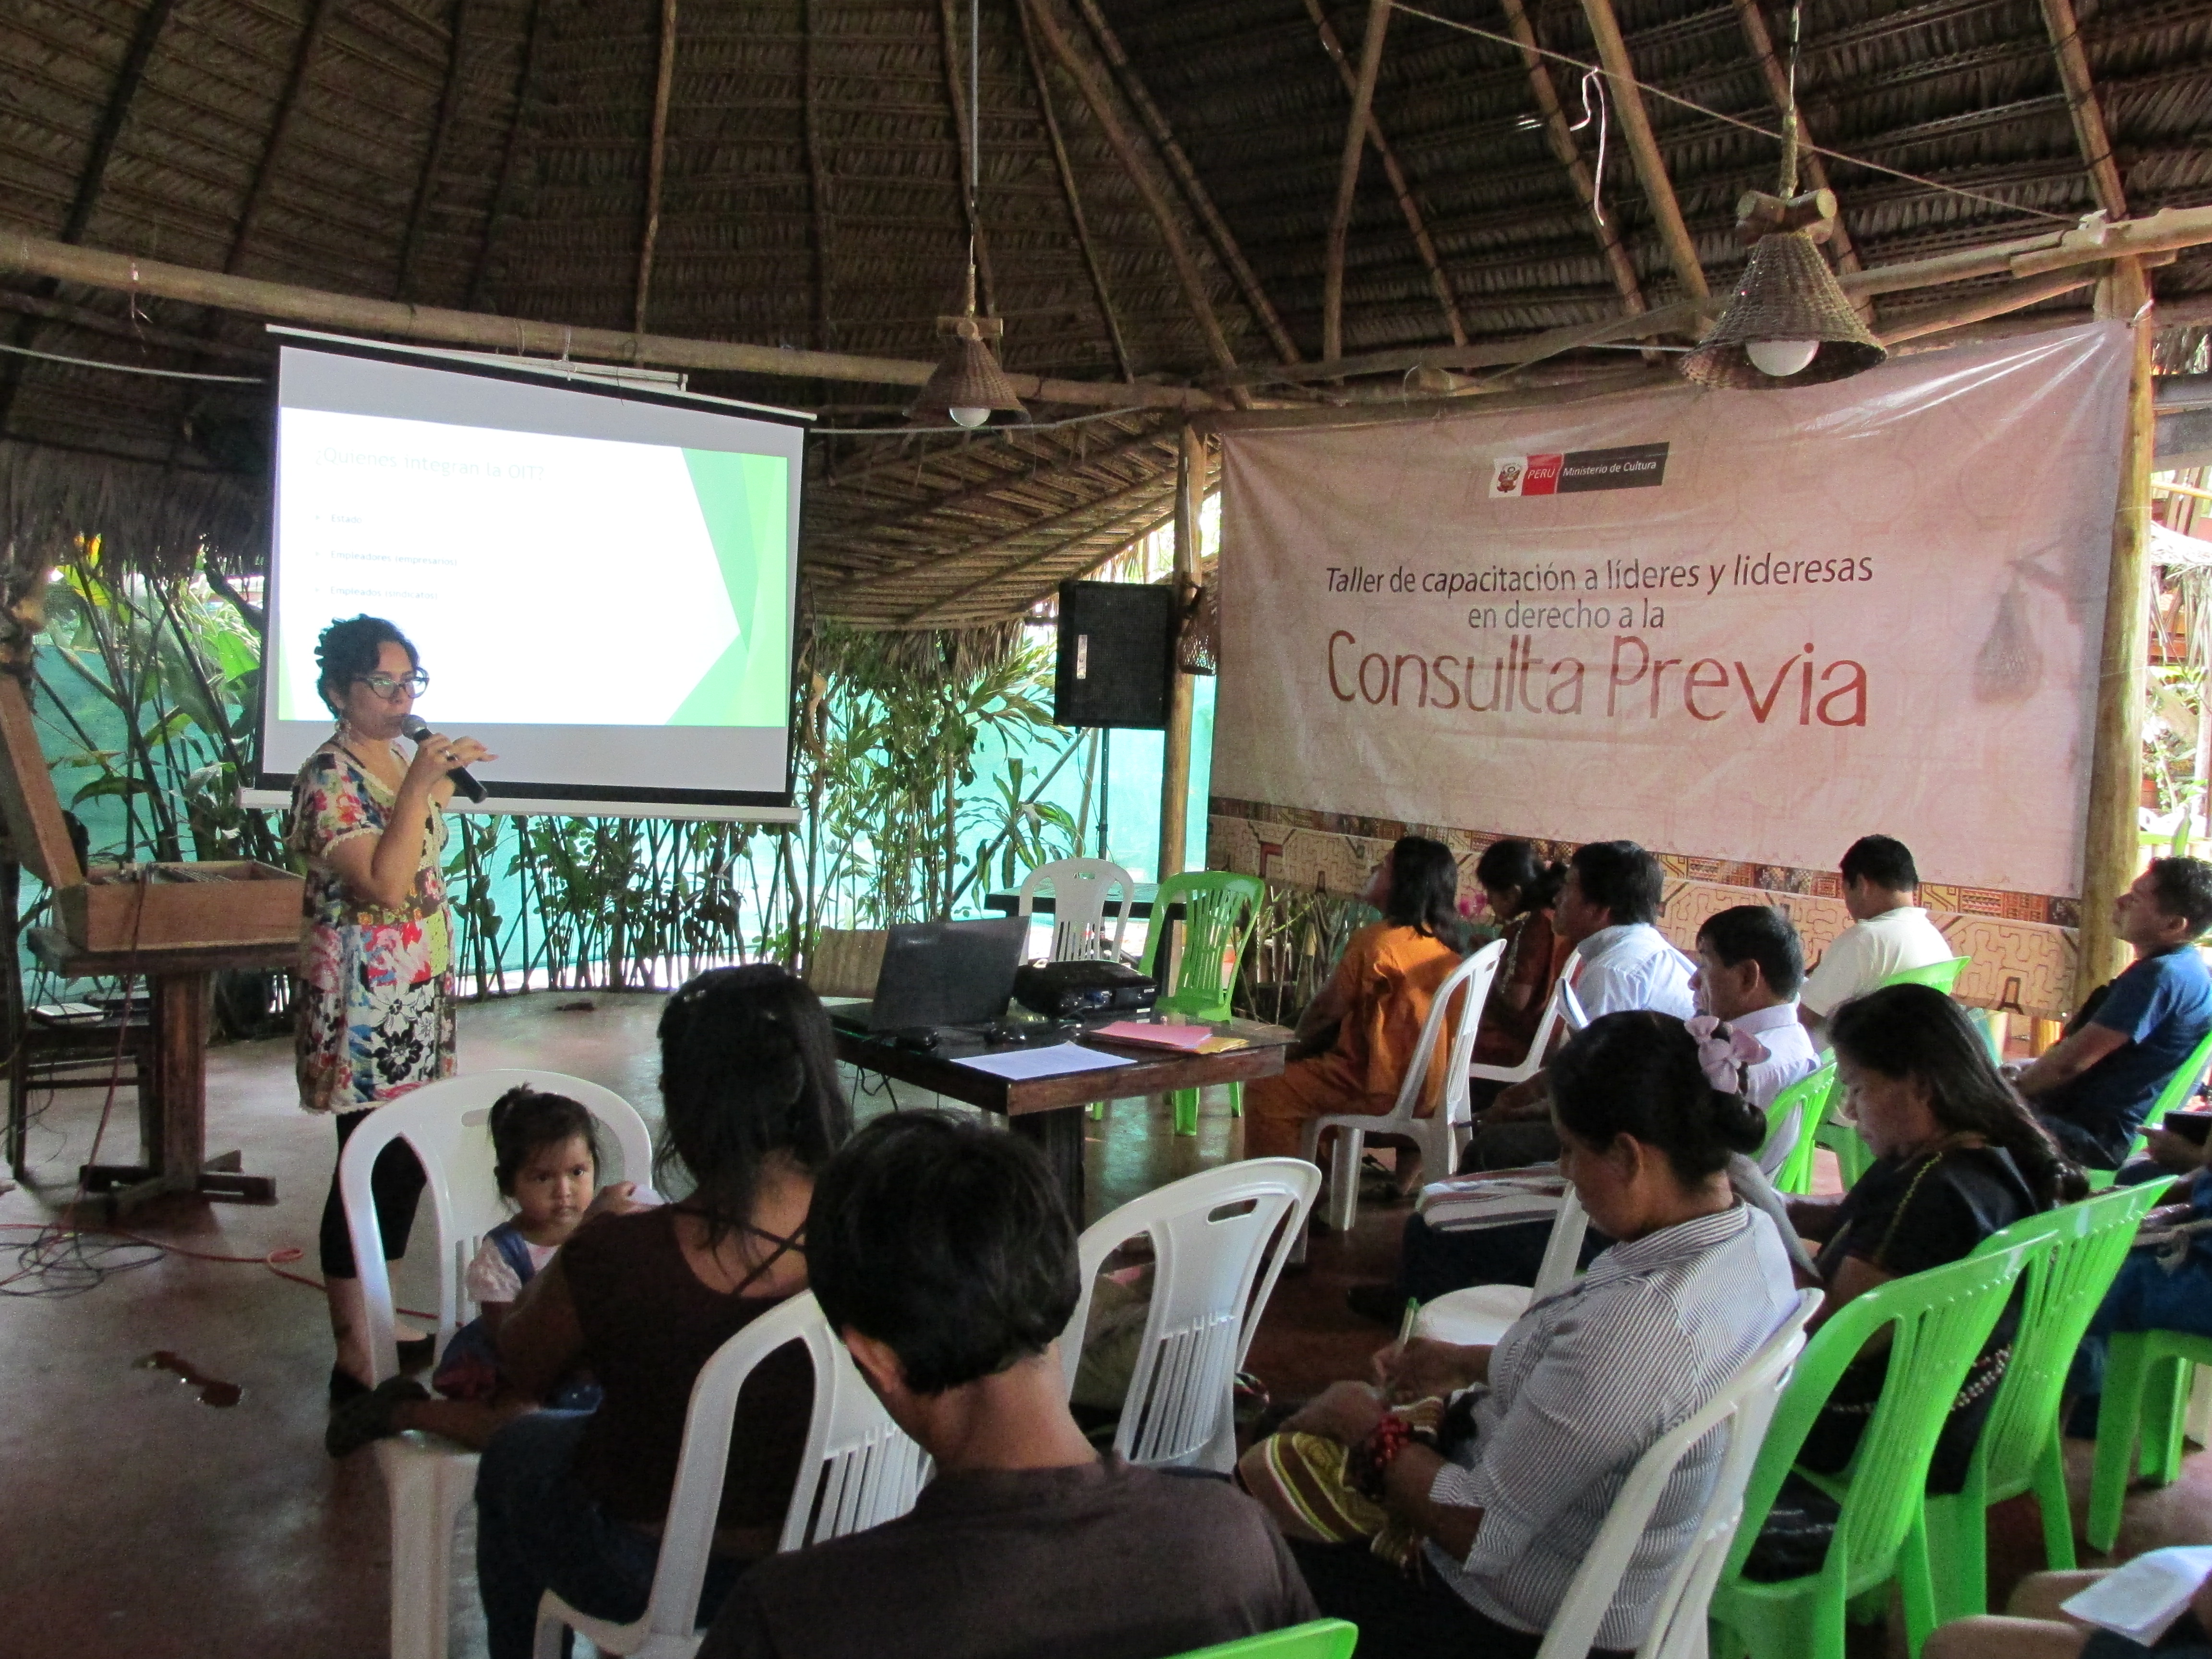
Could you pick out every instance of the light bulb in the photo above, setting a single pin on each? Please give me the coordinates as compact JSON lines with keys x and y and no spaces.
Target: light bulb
{"x":1781,"y":358}
{"x":977,"y":417}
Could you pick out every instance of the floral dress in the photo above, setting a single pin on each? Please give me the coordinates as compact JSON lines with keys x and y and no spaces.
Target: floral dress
{"x":376,"y":1007}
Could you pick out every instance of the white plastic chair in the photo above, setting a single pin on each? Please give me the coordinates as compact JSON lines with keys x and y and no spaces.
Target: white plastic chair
{"x":1219,"y":1239}
{"x":1442,"y":1136}
{"x":1080,"y":890}
{"x":1560,"y":1008}
{"x":427,"y":1479}
{"x":859,"y":1470}
{"x":1481,"y":1314}
{"x":1742,"y":1409}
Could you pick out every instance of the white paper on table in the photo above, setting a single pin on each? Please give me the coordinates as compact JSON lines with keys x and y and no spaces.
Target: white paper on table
{"x":1055,"y":1059}
{"x":2143,"y":1599}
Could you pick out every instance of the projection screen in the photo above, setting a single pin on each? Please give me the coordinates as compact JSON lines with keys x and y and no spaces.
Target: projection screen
{"x":600,"y":582}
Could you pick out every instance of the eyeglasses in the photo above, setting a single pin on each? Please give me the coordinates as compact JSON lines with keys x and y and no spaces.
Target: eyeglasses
{"x":384,"y":685}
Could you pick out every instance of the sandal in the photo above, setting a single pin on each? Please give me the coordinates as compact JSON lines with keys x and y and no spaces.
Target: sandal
{"x":368,"y":1416}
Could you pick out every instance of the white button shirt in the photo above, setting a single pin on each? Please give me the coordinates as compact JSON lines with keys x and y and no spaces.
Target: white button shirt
{"x":1630,"y":965}
{"x":1789,"y":1056}
{"x":1581,"y":1387}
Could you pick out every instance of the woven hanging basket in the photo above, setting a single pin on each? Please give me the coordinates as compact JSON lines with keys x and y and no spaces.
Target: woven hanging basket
{"x":967,"y":377}
{"x":1787,"y":293}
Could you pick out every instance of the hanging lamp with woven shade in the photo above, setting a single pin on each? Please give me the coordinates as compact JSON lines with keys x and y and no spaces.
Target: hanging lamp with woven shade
{"x":968,"y":386}
{"x":1788,"y":323}
{"x":1788,"y":294}
{"x":968,"y":377}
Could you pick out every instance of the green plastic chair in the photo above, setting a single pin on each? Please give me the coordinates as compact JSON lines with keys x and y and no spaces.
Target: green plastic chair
{"x":1943,"y":975}
{"x":2071,"y":1254}
{"x":2147,"y":1377}
{"x":1854,"y":1158}
{"x":1808,"y":1096}
{"x":1937,"y":1322}
{"x":1215,"y":905}
{"x":1323,"y":1638}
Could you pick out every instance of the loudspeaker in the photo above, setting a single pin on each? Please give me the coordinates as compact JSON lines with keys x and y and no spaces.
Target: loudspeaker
{"x":1116,"y":654}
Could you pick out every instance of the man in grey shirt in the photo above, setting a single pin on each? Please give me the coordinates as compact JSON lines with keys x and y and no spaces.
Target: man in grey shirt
{"x":943,"y":1255}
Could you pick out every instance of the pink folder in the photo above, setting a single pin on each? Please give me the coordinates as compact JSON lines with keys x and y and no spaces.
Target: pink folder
{"x":1185,"y":1038}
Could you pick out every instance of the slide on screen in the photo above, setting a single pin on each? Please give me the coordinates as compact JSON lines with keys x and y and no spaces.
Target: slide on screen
{"x":600,"y":582}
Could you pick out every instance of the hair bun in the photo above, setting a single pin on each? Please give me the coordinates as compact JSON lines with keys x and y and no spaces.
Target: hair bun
{"x":1737,"y":1124}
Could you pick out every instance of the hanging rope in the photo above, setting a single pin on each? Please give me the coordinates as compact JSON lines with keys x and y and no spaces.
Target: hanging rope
{"x":1738,"y":121}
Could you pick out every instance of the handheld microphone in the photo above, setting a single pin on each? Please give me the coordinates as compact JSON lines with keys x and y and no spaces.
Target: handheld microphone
{"x":414,"y":728}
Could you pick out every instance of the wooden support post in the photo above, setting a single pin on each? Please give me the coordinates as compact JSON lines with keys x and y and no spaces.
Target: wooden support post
{"x":1348,"y":178}
{"x":656,"y":159}
{"x":433,"y":155}
{"x":2090,"y":132}
{"x":1560,"y":135}
{"x":1194,"y":190}
{"x":1073,"y":197}
{"x":817,"y":177}
{"x":1643,"y":147}
{"x":503,"y":186}
{"x":2110,"y":847}
{"x":1400,"y":187}
{"x":1175,"y":754}
{"x":1094,"y":94}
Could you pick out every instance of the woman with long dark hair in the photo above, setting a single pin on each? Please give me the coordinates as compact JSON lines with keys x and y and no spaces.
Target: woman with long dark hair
{"x":1521,"y":890}
{"x":1357,"y":1038}
{"x":643,"y":1297}
{"x":1957,"y":1156}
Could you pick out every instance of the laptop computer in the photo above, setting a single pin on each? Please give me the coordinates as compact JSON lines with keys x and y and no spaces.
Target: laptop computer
{"x":940,"y":973}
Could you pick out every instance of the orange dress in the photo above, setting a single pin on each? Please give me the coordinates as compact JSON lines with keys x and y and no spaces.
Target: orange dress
{"x":1387,"y":978}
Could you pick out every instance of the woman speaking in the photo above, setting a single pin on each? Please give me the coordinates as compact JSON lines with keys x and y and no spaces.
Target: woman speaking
{"x":375,"y":1015}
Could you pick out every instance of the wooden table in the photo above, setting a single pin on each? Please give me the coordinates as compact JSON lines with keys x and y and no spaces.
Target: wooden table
{"x":173,"y":1122}
{"x":1048,"y":1110}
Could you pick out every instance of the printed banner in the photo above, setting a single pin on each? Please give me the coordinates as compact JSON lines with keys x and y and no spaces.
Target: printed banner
{"x":1766,"y":623}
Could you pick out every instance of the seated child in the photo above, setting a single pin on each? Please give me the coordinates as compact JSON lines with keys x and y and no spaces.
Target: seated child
{"x":546,"y":1162}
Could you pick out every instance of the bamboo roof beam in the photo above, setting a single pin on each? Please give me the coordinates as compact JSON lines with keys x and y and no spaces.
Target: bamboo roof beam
{"x":2082,"y":107}
{"x":1107,"y":316}
{"x":1685,"y":317}
{"x":656,"y":159}
{"x":1400,"y":187}
{"x":1643,"y":147}
{"x":908,"y":511}
{"x":983,"y":546}
{"x":1187,"y":273}
{"x":818,"y":177}
{"x":1147,"y":488}
{"x":433,"y":155}
{"x":2015,"y":295}
{"x":503,"y":186}
{"x":1810,"y":162}
{"x":91,"y":178}
{"x":956,"y":93}
{"x":42,"y":256}
{"x":1194,"y":191}
{"x":287,"y":110}
{"x":1348,"y":178}
{"x":1559,"y":134}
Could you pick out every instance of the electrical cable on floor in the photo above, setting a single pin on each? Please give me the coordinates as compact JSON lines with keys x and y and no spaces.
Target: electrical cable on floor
{"x":275,"y":1261}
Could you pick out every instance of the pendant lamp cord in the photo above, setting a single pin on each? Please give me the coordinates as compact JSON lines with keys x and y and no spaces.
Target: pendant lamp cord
{"x":975,"y":134}
{"x":1789,"y":109}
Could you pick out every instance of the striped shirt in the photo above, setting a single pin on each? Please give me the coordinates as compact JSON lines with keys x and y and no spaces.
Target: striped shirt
{"x":1580,"y":1387}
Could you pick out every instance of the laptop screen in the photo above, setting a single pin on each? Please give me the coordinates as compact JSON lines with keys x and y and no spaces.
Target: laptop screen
{"x":947,"y":973}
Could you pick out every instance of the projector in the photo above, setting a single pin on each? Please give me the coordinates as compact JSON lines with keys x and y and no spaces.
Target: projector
{"x":1075,"y":990}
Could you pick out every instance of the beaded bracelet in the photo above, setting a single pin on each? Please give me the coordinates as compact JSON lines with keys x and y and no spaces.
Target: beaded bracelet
{"x":1371,"y":1460}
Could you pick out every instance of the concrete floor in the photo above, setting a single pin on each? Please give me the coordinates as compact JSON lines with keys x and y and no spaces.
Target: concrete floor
{"x":139,"y":1523}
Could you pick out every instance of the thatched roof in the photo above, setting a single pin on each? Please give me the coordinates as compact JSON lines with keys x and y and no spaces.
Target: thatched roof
{"x":1158,"y":183}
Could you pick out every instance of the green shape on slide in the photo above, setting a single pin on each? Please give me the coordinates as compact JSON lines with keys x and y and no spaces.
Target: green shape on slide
{"x":744,"y":501}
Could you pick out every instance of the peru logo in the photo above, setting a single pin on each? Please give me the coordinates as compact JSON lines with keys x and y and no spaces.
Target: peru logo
{"x":1637,"y":466}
